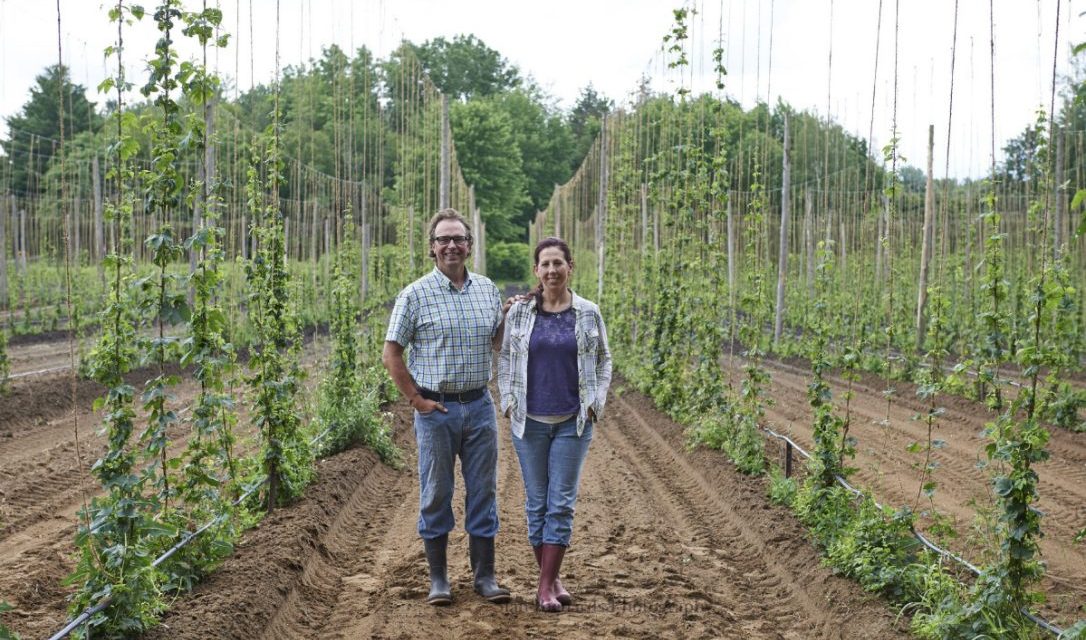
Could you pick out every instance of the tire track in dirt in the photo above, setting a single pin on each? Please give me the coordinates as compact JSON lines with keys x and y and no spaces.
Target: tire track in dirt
{"x":769,"y":603}
{"x":705,"y":556}
{"x":275,"y":568}
{"x":357,"y":526}
{"x":886,"y":468}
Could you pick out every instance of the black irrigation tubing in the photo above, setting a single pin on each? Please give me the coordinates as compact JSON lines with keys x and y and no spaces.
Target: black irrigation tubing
{"x":108,"y":600}
{"x":105,"y":602}
{"x":1037,"y":620}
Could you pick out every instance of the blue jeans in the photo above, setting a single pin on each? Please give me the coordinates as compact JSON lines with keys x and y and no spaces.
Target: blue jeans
{"x":470,"y":431}
{"x":551,"y":458}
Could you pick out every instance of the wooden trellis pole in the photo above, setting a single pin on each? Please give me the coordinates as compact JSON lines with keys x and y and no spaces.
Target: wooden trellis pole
{"x":782,"y":254}
{"x":926,"y":247}
{"x":3,"y":263}
{"x":446,"y":155}
{"x":601,"y":217}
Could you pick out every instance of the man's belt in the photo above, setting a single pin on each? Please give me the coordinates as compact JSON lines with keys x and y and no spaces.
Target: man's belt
{"x":461,"y":397}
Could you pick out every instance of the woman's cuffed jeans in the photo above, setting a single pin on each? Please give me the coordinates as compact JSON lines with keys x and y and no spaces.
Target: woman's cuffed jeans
{"x":470,"y":431}
{"x":551,"y":458}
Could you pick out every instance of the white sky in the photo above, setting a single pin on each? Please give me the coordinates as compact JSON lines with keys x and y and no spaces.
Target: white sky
{"x":566,"y":44}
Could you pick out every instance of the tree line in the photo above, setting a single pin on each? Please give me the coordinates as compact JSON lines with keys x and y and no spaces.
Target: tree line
{"x":514,"y":142}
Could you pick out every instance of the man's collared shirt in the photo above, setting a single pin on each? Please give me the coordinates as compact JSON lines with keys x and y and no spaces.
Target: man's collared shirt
{"x":449,"y":331}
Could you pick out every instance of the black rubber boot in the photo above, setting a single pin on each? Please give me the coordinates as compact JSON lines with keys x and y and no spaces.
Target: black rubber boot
{"x":440,"y":592}
{"x":481,"y":553}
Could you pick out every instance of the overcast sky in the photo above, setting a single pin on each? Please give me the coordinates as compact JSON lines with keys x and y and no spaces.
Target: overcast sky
{"x":773,"y":48}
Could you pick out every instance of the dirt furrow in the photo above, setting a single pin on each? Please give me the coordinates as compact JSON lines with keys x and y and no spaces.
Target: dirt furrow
{"x":1062,"y":489}
{"x":334,"y":562}
{"x":53,"y":483}
{"x":42,"y":487}
{"x":666,"y":544}
{"x":891,"y":473}
{"x":785,"y":606}
{"x":724,"y":571}
{"x":388,"y":594}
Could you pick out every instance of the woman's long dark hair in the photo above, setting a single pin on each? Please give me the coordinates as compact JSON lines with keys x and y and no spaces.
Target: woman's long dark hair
{"x":547,"y":243}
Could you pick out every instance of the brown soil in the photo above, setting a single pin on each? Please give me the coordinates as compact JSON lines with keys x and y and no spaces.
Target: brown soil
{"x":666,"y":544}
{"x":44,"y":354}
{"x":892,"y":473}
{"x":44,"y":480}
{"x":33,"y":358}
{"x":46,"y":452}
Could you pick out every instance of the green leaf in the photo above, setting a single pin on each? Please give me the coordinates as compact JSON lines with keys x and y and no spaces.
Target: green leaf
{"x":157,"y":529}
{"x":1003,"y":487}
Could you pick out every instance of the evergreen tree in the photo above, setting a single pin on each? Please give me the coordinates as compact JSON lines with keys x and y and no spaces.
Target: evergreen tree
{"x":34,"y":132}
{"x":584,"y":121}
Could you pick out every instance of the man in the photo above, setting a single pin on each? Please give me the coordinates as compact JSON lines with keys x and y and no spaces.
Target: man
{"x":452,"y":319}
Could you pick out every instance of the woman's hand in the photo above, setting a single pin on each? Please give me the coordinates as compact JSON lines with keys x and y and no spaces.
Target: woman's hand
{"x":513,"y":299}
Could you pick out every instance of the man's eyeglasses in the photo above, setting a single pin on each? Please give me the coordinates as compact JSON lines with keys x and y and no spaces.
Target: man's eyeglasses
{"x":447,"y":240}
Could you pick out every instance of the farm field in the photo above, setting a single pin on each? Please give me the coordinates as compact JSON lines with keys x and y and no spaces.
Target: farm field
{"x":885,"y":467}
{"x":666,"y":544}
{"x":667,"y":538}
{"x":869,"y":245}
{"x":45,"y":477}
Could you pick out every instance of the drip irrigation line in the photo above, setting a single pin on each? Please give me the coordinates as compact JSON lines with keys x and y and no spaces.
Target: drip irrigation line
{"x":931,"y":545}
{"x":189,"y":537}
{"x":1037,"y":620}
{"x":108,"y":600}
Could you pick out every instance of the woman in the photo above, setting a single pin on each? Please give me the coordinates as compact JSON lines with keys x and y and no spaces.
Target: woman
{"x":553,"y":373}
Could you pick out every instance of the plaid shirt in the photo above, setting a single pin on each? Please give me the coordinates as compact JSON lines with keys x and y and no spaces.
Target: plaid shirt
{"x":593,"y":361}
{"x":449,"y":331}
